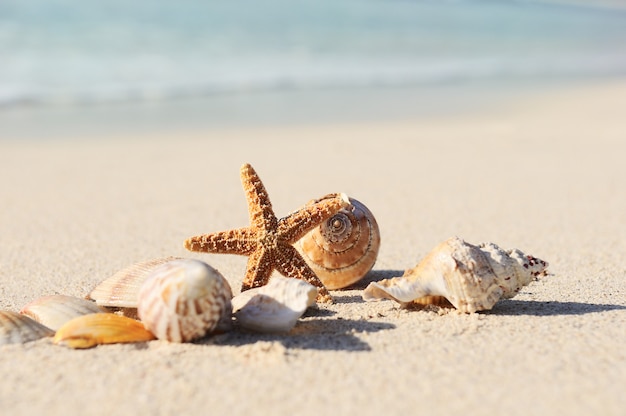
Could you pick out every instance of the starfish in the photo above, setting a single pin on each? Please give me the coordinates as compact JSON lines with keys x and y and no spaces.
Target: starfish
{"x":268,"y":241}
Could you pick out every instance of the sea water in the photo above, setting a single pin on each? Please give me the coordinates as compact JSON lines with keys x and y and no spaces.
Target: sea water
{"x":77,"y":52}
{"x":191,"y":61}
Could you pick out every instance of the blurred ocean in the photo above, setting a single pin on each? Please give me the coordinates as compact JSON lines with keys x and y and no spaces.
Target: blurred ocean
{"x":74,"y":52}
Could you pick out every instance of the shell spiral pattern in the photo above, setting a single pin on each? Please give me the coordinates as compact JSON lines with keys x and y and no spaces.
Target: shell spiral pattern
{"x":343,"y":249}
{"x":183,"y":300}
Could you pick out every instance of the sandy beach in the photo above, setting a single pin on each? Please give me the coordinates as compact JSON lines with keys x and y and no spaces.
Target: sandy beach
{"x":544,"y":174}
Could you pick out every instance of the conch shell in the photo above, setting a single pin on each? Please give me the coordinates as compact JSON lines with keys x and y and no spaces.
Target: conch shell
{"x":343,"y":249}
{"x":472,"y":278}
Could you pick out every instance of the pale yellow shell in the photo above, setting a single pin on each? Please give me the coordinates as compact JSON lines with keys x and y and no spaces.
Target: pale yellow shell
{"x":183,"y":300}
{"x":101,"y":328}
{"x":275,"y":307}
{"x":472,"y":278}
{"x":342,"y":250}
{"x":55,"y":310}
{"x":18,"y":329}
{"x":122,"y":289}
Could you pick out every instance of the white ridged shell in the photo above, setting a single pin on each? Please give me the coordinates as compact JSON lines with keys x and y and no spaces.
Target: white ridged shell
{"x":472,"y":278}
{"x":275,"y":307}
{"x":55,"y":310}
{"x":184,"y":300}
{"x":122,"y":289}
{"x":18,"y":329}
{"x":343,"y":249}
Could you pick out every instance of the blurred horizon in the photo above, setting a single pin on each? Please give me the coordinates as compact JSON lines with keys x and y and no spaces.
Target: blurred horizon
{"x":72,"y":55}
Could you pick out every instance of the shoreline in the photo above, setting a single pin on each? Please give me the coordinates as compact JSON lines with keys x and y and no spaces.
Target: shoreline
{"x":267,"y":109}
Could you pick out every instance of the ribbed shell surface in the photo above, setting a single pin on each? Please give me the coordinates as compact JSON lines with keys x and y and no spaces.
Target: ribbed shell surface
{"x":183,"y":300}
{"x":18,"y":329}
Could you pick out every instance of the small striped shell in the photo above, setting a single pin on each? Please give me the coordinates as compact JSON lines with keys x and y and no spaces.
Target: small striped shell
{"x":55,"y":310}
{"x":343,"y":249}
{"x":18,"y":329}
{"x":184,"y":300}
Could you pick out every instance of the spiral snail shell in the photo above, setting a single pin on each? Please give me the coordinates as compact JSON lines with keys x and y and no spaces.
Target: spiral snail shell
{"x":344,"y":248}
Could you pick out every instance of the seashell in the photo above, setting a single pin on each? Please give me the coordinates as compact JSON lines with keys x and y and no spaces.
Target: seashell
{"x":342,"y":250}
{"x":472,"y":278}
{"x":275,"y":307}
{"x":55,"y":310}
{"x":122,"y":289}
{"x":18,"y":329}
{"x":101,"y":328}
{"x":440,"y":301}
{"x":183,"y":300}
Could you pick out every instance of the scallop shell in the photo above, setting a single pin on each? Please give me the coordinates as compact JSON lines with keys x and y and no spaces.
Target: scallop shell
{"x":18,"y":329}
{"x":275,"y":307}
{"x":343,"y":249}
{"x":472,"y":278}
{"x":183,"y":300}
{"x":55,"y":310}
{"x":122,"y":289}
{"x":101,"y":328}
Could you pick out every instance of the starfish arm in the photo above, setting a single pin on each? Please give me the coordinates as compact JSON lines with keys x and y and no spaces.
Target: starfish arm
{"x":291,"y":264}
{"x":295,"y":225}
{"x":240,"y":241}
{"x":259,"y":205}
{"x":258,"y":270}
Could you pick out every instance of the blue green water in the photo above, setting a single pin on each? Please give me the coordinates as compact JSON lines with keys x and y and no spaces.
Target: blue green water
{"x":77,"y":52}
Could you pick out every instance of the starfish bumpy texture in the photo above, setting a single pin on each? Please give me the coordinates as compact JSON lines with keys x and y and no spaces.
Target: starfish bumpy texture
{"x":268,"y":241}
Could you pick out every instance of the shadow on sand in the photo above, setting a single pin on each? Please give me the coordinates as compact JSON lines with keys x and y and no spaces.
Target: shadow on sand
{"x":549,"y":308}
{"x":321,"y":329}
{"x":374,"y":276}
{"x":315,"y":334}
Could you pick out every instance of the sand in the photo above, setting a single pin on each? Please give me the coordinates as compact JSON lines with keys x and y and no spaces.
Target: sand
{"x":546,"y":175}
